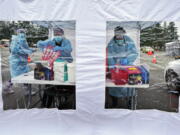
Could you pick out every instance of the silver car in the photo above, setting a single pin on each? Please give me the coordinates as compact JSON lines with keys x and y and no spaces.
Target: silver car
{"x":172,"y":75}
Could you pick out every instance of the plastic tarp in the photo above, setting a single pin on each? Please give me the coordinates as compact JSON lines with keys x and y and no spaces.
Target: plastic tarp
{"x":90,"y":117}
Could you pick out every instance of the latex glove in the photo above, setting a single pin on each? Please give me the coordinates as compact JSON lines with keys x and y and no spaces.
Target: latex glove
{"x":124,"y":61}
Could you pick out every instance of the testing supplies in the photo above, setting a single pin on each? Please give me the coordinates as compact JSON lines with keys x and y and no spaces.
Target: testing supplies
{"x":132,"y":75}
{"x":64,"y":71}
{"x":43,"y":73}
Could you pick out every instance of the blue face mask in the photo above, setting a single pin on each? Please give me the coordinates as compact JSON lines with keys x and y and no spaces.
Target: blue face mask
{"x":120,"y":42}
{"x":58,"y":39}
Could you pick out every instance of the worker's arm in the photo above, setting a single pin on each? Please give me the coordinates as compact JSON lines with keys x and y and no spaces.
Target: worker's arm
{"x":44,"y":44}
{"x":23,"y":48}
{"x":110,"y":55}
{"x":132,"y":51}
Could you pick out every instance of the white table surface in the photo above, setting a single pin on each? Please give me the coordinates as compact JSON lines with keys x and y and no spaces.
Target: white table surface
{"x":109,"y":83}
{"x":29,"y":79}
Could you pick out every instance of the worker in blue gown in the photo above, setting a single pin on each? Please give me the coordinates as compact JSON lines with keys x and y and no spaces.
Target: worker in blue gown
{"x":60,"y":43}
{"x":121,"y":50}
{"x":20,"y":51}
{"x":18,"y":59}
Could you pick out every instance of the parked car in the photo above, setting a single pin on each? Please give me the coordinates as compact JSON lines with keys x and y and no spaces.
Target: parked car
{"x":147,"y":49}
{"x":4,"y":43}
{"x":172,"y":75}
{"x":173,"y":49}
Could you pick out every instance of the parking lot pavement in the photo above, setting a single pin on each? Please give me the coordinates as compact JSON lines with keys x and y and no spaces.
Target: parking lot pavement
{"x":156,"y":96}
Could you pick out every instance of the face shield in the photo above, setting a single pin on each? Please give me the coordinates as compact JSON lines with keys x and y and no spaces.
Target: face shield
{"x":119,"y":34}
{"x":58,"y":35}
{"x":21,"y":33}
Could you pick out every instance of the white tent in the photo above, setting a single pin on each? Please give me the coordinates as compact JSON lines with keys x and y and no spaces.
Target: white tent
{"x":90,"y":117}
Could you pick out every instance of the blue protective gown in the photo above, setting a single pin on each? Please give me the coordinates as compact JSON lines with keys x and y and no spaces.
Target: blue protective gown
{"x":117,"y":52}
{"x":65,"y":48}
{"x":19,"y":54}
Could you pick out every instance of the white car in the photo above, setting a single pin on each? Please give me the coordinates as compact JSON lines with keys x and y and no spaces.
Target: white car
{"x":146,"y":49}
{"x":172,"y":75}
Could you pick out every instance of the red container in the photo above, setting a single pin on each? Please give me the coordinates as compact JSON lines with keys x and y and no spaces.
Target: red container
{"x":119,"y":76}
{"x":122,"y":75}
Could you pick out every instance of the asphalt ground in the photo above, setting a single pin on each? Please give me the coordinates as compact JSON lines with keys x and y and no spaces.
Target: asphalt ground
{"x":157,"y":96}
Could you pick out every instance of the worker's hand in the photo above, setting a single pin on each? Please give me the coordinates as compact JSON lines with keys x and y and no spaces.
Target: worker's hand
{"x":124,"y":61}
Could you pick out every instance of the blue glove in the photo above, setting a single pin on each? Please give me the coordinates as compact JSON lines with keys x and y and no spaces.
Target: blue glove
{"x":124,"y":61}
{"x":57,"y":48}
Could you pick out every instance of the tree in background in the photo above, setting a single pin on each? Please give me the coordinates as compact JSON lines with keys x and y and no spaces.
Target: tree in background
{"x":172,"y":32}
{"x":146,"y":37}
{"x":5,"y":30}
{"x":34,"y":32}
{"x":158,"y":39}
{"x":157,"y":35}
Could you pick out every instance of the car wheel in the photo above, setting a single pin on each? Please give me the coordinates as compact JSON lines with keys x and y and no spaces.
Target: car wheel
{"x":171,"y":80}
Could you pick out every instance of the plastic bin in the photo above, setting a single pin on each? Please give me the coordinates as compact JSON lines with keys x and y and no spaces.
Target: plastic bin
{"x":144,"y":74}
{"x":71,"y":72}
{"x":119,"y":76}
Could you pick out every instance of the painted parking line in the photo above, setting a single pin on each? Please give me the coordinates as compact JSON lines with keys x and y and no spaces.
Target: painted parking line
{"x":150,"y":60}
{"x":157,"y":66}
{"x":154,"y":66}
